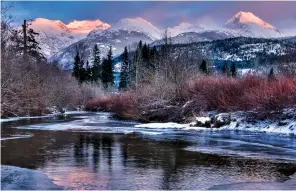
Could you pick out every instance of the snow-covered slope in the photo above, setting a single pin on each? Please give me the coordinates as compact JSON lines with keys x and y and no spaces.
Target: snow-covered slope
{"x":132,"y":25}
{"x":126,"y":32}
{"x":84,"y":27}
{"x":54,"y":35}
{"x":184,"y":28}
{"x":192,"y":37}
{"x":248,"y":24}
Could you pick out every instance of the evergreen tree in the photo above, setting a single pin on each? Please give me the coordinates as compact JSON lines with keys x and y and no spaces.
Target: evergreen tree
{"x":24,"y":42}
{"x":204,"y":67}
{"x":96,"y":67}
{"x":88,"y":74}
{"x":233,"y":70}
{"x":107,"y":69}
{"x":153,"y":58}
{"x":145,"y":54}
{"x":136,"y":65}
{"x":124,"y":75}
{"x":271,"y":75}
{"x":225,"y":69}
{"x":76,"y":67}
{"x":82,"y":72}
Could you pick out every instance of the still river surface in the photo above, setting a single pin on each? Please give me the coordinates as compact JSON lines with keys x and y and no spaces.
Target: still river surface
{"x":94,"y":151}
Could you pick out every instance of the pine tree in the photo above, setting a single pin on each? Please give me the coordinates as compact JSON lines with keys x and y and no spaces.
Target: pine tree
{"x":225,"y":69}
{"x":24,"y":42}
{"x":136,"y":65}
{"x":88,"y":72}
{"x":107,"y":70}
{"x":145,"y":54}
{"x":76,"y":67}
{"x":153,"y":58}
{"x":271,"y":75}
{"x":204,"y":67}
{"x":233,"y":70}
{"x":96,"y":67}
{"x":82,"y":72}
{"x":124,"y":75}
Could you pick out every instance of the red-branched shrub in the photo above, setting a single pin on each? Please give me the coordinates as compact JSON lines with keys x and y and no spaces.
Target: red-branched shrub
{"x":206,"y":93}
{"x":249,"y":92}
{"x":99,"y":104}
{"x":125,"y":105}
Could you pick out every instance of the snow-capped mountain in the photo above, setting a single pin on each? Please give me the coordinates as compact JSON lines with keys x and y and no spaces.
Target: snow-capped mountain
{"x":132,"y":25}
{"x":183,"y":28}
{"x":84,"y":27}
{"x":129,"y":31}
{"x":248,"y":24}
{"x":192,"y":37}
{"x":54,"y":35}
{"x":126,"y":32}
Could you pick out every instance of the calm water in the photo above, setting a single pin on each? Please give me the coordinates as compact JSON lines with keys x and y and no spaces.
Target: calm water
{"x":93,"y":151}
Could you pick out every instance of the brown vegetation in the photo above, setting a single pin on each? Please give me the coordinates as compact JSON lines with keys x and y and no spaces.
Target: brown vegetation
{"x":30,"y":85}
{"x":158,"y":102}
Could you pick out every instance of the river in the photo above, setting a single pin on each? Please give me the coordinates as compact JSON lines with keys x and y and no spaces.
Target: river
{"x":94,"y":151}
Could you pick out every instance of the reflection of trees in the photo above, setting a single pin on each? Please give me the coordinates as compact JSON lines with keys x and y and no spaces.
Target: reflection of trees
{"x":91,"y":150}
{"x":94,"y":145}
{"x":96,"y":152}
{"x":107,"y":143}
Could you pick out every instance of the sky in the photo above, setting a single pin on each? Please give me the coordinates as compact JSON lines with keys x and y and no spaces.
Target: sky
{"x":211,"y":14}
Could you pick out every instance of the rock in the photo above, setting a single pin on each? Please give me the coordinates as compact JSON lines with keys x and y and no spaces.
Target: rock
{"x":165,"y":114}
{"x":282,"y":123}
{"x":222,"y":119}
{"x":201,"y":122}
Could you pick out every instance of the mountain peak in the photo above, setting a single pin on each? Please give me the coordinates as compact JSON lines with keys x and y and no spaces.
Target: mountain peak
{"x":248,"y":17}
{"x":184,"y":27}
{"x":138,"y":24}
{"x":249,"y":24}
{"x":85,"y":26}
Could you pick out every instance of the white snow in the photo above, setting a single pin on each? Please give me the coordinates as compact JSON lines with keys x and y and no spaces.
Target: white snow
{"x":182,"y":28}
{"x":42,"y":116}
{"x":15,"y":137}
{"x":15,"y":178}
{"x":259,"y":126}
{"x":162,"y":125}
{"x":203,"y":120}
{"x":249,"y":24}
{"x":54,"y":35}
{"x":85,"y":26}
{"x":137,"y":24}
{"x":263,"y":126}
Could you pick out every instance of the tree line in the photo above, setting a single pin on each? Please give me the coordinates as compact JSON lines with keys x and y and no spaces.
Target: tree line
{"x":101,"y":70}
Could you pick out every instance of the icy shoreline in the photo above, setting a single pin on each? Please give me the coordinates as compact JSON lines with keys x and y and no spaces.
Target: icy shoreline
{"x":234,"y":121}
{"x":41,"y":116}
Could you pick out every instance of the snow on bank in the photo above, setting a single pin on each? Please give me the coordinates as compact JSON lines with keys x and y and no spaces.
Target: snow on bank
{"x":42,"y":116}
{"x":15,"y":178}
{"x":16,"y":137}
{"x":162,"y":125}
{"x":264,"y":126}
{"x":237,"y":122}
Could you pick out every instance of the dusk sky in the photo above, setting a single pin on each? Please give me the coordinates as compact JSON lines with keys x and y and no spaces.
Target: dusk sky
{"x":162,"y":14}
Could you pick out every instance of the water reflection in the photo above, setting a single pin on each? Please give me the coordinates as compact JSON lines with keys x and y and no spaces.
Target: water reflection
{"x":84,"y":160}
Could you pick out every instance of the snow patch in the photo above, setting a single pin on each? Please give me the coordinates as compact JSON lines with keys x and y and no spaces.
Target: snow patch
{"x":162,"y":125}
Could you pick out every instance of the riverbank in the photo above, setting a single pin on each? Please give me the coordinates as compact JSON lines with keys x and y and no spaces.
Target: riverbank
{"x":247,"y":101}
{"x":283,"y":122}
{"x":41,"y":116}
